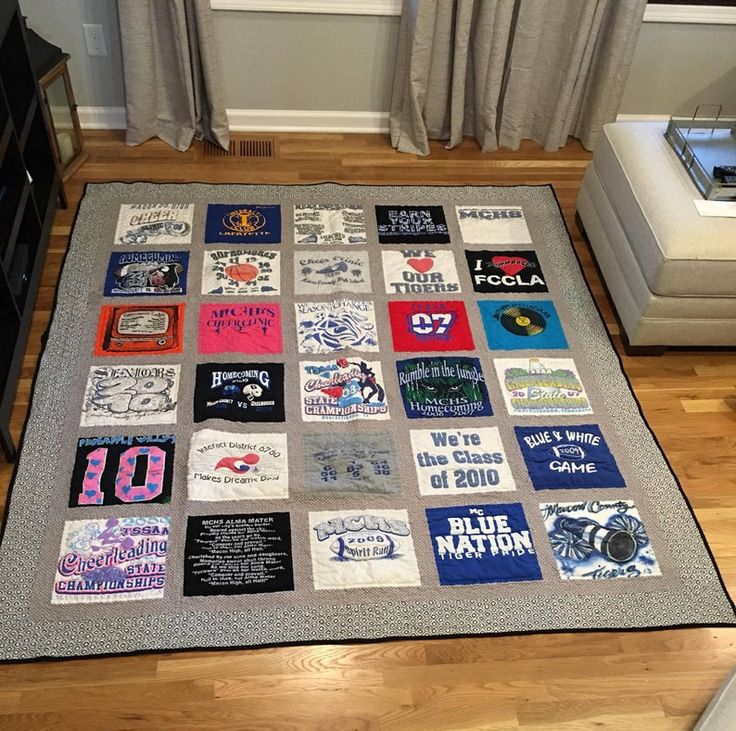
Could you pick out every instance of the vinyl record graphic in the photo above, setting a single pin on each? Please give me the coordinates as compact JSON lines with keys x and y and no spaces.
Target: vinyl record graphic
{"x":522,"y":321}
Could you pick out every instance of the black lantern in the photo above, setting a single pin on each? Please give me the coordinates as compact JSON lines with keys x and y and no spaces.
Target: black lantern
{"x":59,"y":108}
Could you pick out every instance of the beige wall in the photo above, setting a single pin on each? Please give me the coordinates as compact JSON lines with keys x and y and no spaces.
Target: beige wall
{"x":289,"y":61}
{"x":97,"y":80}
{"x":678,"y":66}
{"x":344,"y":62}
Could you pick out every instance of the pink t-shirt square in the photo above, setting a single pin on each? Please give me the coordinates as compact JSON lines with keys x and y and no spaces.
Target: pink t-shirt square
{"x":240,"y":328}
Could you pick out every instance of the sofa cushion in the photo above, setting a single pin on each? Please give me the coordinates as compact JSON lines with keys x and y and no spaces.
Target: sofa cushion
{"x":649,"y":319}
{"x":678,"y":251}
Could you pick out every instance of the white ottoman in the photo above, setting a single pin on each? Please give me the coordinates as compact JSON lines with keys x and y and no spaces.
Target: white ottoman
{"x":671,"y":273}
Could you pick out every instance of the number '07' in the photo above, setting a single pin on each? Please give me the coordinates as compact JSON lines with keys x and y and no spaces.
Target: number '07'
{"x":424,"y":323}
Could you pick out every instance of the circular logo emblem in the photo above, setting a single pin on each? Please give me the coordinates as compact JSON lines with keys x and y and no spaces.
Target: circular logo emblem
{"x":244,"y":221}
{"x":521,"y":320}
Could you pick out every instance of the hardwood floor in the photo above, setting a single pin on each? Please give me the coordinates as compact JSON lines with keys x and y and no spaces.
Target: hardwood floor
{"x":644,"y":680}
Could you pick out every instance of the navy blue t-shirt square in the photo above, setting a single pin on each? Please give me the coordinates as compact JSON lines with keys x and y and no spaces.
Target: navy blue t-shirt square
{"x":561,"y":457}
{"x":147,"y":273}
{"x":243,"y":224}
{"x":482,"y":544}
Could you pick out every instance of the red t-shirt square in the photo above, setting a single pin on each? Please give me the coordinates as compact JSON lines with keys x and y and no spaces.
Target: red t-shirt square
{"x":430,"y":326}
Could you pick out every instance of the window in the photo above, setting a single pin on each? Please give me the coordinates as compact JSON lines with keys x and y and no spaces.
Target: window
{"x":691,"y":11}
{"x":338,"y":7}
{"x":658,"y":11}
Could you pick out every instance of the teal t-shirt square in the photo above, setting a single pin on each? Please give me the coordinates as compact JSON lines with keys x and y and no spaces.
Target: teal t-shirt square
{"x":522,"y":325}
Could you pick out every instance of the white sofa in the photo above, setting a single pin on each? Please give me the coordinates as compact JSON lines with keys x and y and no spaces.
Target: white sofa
{"x":670,"y":272}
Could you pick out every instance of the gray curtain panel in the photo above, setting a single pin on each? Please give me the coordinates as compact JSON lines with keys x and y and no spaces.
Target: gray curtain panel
{"x":507,"y":70}
{"x":172,"y":81}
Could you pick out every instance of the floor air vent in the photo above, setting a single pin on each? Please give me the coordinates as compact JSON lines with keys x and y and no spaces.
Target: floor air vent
{"x":256,"y":147}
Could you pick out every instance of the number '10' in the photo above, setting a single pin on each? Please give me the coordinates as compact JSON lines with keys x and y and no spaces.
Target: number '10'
{"x":125,"y":490}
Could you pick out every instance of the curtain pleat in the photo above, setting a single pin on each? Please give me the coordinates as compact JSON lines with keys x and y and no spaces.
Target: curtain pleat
{"x":172,"y":82}
{"x":507,"y":70}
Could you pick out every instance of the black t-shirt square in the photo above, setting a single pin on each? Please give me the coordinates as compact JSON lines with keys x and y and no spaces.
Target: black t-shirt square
{"x":412,"y":225}
{"x":505,"y":271}
{"x":238,"y":554}
{"x":121,"y":470}
{"x":239,"y":392}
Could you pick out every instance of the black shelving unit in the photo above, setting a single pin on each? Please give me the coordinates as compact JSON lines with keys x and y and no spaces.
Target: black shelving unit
{"x":29,"y":187}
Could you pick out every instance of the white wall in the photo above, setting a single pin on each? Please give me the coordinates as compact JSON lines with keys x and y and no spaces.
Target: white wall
{"x":291,"y":61}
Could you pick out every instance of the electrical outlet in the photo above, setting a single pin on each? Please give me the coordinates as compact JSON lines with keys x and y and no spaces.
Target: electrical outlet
{"x":94,"y":39}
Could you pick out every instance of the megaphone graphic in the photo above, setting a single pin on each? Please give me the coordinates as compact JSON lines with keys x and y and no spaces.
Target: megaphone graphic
{"x":614,"y":543}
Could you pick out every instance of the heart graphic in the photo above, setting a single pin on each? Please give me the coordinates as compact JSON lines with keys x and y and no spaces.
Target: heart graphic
{"x":421,"y":265}
{"x":510,"y":265}
{"x":332,"y":391}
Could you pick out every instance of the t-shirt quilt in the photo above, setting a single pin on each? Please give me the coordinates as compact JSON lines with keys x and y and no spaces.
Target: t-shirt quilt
{"x":318,"y":401}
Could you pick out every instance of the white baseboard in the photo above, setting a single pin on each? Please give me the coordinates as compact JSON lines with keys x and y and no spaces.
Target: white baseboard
{"x":292,"y":120}
{"x":643,"y":118}
{"x":260,"y":120}
{"x":102,"y":117}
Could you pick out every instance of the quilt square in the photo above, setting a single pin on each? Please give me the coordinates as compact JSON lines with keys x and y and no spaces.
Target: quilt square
{"x":342,"y":390}
{"x":351,"y":463}
{"x":482,"y":544}
{"x":229,"y":466}
{"x":344,"y":324}
{"x":154,"y":223}
{"x":241,"y":272}
{"x":140,"y":330}
{"x":536,"y":387}
{"x":419,"y":271}
{"x":121,"y":469}
{"x":146,"y":273}
{"x":130,"y":395}
{"x":412,"y":225}
{"x":460,"y":461}
{"x":566,"y":457}
{"x":105,"y":560}
{"x":599,"y":539}
{"x":443,"y":387}
{"x":331,"y":224}
{"x":241,"y":392}
{"x":522,"y":325}
{"x":430,"y":326}
{"x":353,"y":549}
{"x":328,"y":272}
{"x":252,"y":328}
{"x":505,"y":271}
{"x":493,"y":225}
{"x":243,"y":224}
{"x":238,"y":554}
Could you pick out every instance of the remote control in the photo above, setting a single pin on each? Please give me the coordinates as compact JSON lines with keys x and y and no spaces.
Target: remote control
{"x":723,"y":171}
